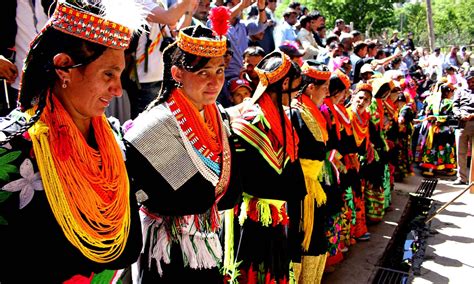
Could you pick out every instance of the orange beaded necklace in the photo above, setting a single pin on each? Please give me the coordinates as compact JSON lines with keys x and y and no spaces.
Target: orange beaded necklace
{"x":87,"y":189}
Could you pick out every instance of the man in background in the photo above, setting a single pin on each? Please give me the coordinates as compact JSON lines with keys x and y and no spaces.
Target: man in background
{"x":463,"y":108}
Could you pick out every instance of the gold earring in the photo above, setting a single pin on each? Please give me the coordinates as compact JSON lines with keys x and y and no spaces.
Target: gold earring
{"x":64,"y":85}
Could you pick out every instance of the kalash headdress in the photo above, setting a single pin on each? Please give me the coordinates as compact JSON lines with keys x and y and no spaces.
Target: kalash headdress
{"x":269,"y":77}
{"x":313,"y":72}
{"x":110,"y":23}
{"x":208,"y":47}
{"x":363,"y":87}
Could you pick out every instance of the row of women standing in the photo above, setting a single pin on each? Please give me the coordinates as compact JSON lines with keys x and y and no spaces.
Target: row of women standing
{"x":262,"y":192}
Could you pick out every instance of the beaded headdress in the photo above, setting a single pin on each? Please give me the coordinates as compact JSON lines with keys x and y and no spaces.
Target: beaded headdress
{"x":269,"y":77}
{"x":208,"y":47}
{"x":364,"y":87}
{"x":205,"y":47}
{"x":85,"y":25}
{"x":108,"y":23}
{"x":344,"y":78}
{"x":314,"y":73}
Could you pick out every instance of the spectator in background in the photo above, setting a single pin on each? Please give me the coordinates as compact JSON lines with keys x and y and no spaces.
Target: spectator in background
{"x":268,"y":41}
{"x":304,"y":11}
{"x":201,"y":13}
{"x":463,"y":55}
{"x":21,"y":22}
{"x":340,"y":25}
{"x":366,"y":73}
{"x":347,"y":29}
{"x":346,"y":40}
{"x":452,"y":58}
{"x":333,"y":50}
{"x":239,"y":90}
{"x":394,"y":38}
{"x":321,"y":33}
{"x":436,"y":60}
{"x":463,"y":108}
{"x":306,"y":38}
{"x":252,"y":56}
{"x":292,"y":50}
{"x":287,"y":31}
{"x":410,"y":45}
{"x":239,"y":30}
{"x":224,"y":97}
{"x":356,"y":36}
{"x":320,"y":22}
{"x":357,"y":59}
{"x":297,"y":7}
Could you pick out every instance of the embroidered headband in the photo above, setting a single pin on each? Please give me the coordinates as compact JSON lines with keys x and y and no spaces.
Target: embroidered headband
{"x":344,"y":78}
{"x":205,"y":47}
{"x":363,"y":87}
{"x":88,"y":26}
{"x":314,"y":73}
{"x":269,"y":77}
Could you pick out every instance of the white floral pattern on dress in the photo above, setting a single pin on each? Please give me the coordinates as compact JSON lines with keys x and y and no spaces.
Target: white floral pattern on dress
{"x":27,"y":185}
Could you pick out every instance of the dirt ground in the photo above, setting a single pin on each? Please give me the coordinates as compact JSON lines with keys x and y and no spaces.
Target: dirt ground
{"x":449,"y":256}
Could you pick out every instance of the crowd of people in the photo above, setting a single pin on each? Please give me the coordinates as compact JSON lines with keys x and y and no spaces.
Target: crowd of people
{"x":158,"y":142}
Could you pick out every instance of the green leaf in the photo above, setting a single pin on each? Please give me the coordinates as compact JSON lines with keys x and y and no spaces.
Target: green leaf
{"x":4,"y":195}
{"x":7,"y":158}
{"x":3,"y":221}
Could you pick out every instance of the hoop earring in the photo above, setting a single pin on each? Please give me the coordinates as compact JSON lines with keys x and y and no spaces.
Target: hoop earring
{"x":179,"y":85}
{"x":64,"y":85}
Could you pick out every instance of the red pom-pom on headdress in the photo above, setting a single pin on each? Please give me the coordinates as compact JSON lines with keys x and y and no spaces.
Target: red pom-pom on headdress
{"x":219,"y":17}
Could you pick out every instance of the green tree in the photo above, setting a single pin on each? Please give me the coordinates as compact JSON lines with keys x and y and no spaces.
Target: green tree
{"x":370,"y":15}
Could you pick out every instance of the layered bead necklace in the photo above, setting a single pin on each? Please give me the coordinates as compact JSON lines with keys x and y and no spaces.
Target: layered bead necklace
{"x":87,"y":189}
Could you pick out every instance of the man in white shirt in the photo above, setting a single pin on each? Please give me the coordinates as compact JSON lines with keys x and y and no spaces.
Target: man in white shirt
{"x":305,"y":36}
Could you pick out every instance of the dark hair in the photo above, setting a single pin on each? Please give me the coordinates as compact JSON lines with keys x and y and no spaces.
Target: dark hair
{"x":358,"y":46}
{"x":310,"y":80}
{"x":304,"y":20}
{"x":270,"y":63}
{"x":332,"y":38}
{"x":445,"y":89}
{"x":335,"y":85}
{"x":254,"y":51}
{"x":355,"y":33}
{"x":294,"y":5}
{"x":175,"y":56}
{"x":40,"y":73}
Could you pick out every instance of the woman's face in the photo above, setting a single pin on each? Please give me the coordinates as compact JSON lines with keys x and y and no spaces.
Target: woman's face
{"x":91,"y":89}
{"x":361,"y":101}
{"x":203,"y":86}
{"x":339,"y":97}
{"x":318,"y":93}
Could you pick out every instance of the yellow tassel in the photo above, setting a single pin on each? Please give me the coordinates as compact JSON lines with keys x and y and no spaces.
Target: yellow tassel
{"x":311,"y":170}
{"x":229,"y":238}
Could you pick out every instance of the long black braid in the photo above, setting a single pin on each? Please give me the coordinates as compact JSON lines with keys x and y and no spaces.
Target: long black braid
{"x":175,"y":56}
{"x":293,"y":73}
{"x":40,"y":73}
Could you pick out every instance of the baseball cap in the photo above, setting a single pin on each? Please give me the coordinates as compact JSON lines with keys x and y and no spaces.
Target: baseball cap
{"x":237,"y":83}
{"x":470,"y":75}
{"x":366,"y":68}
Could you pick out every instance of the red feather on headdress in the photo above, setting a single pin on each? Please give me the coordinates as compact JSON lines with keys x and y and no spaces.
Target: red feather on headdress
{"x":219,"y":17}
